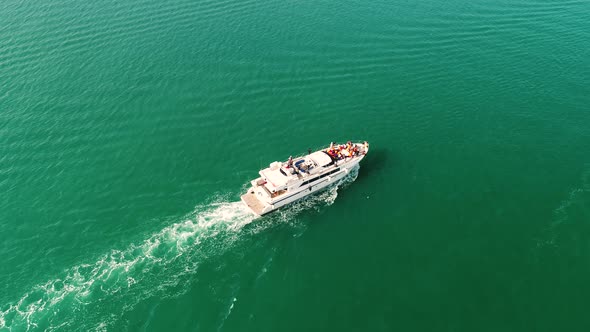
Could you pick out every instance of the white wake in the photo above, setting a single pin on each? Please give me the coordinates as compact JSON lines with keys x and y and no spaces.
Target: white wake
{"x":162,"y":265}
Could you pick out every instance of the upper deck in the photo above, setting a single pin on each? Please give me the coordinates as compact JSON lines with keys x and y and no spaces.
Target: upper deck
{"x":284,"y":182}
{"x":280,"y":176}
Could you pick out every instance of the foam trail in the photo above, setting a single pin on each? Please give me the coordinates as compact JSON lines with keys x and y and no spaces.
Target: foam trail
{"x":570,"y":217}
{"x":127,"y":273}
{"x":163,"y":265}
{"x":576,"y":197}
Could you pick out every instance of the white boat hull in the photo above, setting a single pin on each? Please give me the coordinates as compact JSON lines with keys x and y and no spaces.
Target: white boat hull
{"x":309,"y":190}
{"x":261,"y":204}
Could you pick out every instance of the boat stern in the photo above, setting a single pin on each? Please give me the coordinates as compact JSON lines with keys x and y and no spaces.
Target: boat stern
{"x":255,"y":205}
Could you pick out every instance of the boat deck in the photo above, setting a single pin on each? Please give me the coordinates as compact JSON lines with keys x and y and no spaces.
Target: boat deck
{"x":253,"y":203}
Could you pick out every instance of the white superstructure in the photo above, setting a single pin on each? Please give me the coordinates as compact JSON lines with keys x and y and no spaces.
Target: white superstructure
{"x":285,"y":182}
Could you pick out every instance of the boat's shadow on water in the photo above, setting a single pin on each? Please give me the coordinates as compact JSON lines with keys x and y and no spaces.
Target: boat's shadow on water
{"x":375,"y":162}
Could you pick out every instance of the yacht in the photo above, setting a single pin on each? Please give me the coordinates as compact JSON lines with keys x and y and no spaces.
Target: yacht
{"x":283,"y":183}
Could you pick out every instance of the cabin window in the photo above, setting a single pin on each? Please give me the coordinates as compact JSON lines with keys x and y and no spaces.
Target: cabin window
{"x":319,"y":177}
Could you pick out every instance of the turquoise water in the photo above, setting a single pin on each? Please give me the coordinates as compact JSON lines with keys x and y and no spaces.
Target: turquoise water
{"x":129,"y":129}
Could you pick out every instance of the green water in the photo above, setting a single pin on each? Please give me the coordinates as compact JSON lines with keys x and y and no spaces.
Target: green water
{"x":129,"y":129}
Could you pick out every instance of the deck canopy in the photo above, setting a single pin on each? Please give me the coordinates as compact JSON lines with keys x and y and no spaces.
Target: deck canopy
{"x":275,"y":179}
{"x":320,"y":158}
